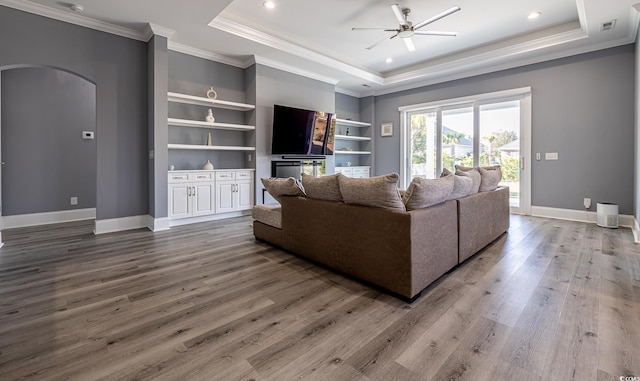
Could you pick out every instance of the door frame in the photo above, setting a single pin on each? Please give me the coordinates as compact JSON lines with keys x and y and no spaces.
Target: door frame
{"x":523,"y":94}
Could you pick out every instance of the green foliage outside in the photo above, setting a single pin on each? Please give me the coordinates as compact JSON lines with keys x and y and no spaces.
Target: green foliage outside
{"x":509,"y":165}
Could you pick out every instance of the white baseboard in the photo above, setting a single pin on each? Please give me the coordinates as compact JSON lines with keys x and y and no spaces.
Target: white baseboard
{"x":120,"y":224}
{"x":624,"y":220}
{"x":158,"y":224}
{"x":212,"y":217}
{"x":34,"y":219}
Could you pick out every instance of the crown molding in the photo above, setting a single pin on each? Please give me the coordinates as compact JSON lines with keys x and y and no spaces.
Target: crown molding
{"x":154,"y":29}
{"x":288,"y":47}
{"x":201,"y":53}
{"x":71,"y":18}
{"x":491,"y":57}
{"x":293,"y":70}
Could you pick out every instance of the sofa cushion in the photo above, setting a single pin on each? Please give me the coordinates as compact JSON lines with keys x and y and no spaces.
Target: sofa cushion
{"x":473,"y":173}
{"x":462,"y":185}
{"x":322,"y":188}
{"x":423,"y":193}
{"x":379,"y":191}
{"x":490,"y":178}
{"x":268,"y":214}
{"x":278,"y":187}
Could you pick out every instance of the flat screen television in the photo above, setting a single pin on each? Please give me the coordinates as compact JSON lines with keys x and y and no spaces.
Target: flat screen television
{"x":302,"y":132}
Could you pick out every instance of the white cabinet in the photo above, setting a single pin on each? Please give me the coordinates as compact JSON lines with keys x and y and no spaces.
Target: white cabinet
{"x":234,"y":190}
{"x":355,"y":172}
{"x":209,"y":194}
{"x":191,"y":194}
{"x":353,"y":147}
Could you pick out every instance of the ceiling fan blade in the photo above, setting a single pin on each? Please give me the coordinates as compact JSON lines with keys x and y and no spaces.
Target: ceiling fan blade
{"x":436,"y":17}
{"x":409,"y":42}
{"x":384,"y":29}
{"x":379,"y":42}
{"x":435,"y":33}
{"x":398,"y":12}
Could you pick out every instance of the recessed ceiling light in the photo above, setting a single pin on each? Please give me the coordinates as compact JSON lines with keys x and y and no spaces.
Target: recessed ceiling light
{"x":77,"y":8}
{"x":269,"y":4}
{"x":534,"y":15}
{"x":388,"y":60}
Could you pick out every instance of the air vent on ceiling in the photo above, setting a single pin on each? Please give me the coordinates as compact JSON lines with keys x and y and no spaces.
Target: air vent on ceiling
{"x":607,"y":25}
{"x":366,"y":85}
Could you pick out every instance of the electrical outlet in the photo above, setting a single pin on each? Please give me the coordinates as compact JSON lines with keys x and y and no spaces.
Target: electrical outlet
{"x":587,"y":203}
{"x":74,"y":201}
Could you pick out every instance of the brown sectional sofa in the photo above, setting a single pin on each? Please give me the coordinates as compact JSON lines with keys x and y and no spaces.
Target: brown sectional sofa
{"x":400,"y":251}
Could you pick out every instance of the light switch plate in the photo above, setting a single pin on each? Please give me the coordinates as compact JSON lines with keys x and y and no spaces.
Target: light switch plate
{"x":551,"y":156}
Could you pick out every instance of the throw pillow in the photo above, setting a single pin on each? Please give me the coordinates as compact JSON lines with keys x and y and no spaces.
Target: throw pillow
{"x":462,"y":185}
{"x":471,"y":172}
{"x":278,"y":187}
{"x":379,"y":191}
{"x":423,"y":193}
{"x":322,"y":188}
{"x":490,"y":178}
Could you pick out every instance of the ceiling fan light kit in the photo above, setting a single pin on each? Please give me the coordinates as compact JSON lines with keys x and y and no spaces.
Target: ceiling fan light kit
{"x":406,"y":29}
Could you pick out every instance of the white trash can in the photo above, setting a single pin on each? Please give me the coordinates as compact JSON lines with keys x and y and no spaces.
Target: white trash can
{"x":607,"y":215}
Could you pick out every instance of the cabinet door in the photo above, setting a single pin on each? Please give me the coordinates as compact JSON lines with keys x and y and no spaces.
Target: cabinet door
{"x":224,"y":197}
{"x":179,"y":200}
{"x":245,"y":195}
{"x":203,"y":200}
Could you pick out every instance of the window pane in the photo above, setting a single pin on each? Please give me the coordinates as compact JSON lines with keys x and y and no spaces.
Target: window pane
{"x":423,"y":144}
{"x":500,"y":143}
{"x":457,"y":138}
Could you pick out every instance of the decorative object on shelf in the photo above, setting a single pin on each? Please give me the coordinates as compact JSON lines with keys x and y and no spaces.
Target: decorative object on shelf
{"x":347,"y":164}
{"x":171,"y":167}
{"x":347,"y":131}
{"x":208,"y":166}
{"x":211,"y":93}
{"x":209,"y":118}
{"x":386,"y":129}
{"x":209,"y":143}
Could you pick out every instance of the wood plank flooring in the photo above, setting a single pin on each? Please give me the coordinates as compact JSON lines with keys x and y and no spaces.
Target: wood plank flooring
{"x":550,"y":300}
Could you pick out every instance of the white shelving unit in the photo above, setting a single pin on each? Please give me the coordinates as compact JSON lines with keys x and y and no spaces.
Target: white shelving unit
{"x":210,"y":148}
{"x":214,"y":103}
{"x":353,"y":144}
{"x":202,"y":101}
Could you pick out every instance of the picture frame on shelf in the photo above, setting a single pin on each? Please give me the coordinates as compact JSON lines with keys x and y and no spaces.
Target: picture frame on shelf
{"x":386,"y":129}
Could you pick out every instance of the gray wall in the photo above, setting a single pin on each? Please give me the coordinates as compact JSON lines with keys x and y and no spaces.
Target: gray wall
{"x":274,"y":86}
{"x":158,"y":133}
{"x":44,"y":112}
{"x":347,"y":107}
{"x":194,"y":76}
{"x":636,"y":159}
{"x":582,"y":108}
{"x":118,"y":68}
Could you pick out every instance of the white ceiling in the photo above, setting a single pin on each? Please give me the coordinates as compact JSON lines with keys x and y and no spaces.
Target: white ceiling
{"x":314,"y":38}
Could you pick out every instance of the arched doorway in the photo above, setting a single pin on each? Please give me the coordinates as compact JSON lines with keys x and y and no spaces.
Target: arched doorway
{"x":49,"y":162}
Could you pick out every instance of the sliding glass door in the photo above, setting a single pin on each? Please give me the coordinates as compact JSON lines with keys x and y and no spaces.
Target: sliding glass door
{"x":488,"y":130}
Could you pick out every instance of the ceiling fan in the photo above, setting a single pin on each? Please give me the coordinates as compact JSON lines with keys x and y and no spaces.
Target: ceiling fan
{"x":406,"y":28}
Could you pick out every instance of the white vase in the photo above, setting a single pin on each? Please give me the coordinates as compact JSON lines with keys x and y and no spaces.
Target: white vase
{"x":209,"y":118}
{"x":207,"y":166}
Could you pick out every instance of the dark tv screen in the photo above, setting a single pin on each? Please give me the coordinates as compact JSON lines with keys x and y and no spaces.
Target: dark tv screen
{"x":302,"y":132}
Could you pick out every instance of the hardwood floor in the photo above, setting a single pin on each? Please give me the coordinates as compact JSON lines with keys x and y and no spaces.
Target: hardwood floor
{"x":551,"y":300}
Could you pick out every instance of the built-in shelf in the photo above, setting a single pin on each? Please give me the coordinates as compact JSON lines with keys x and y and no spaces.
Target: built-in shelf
{"x":201,"y":124}
{"x":351,"y":137}
{"x":353,"y":152}
{"x":353,"y":123}
{"x":202,"y":101}
{"x":209,"y":148}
